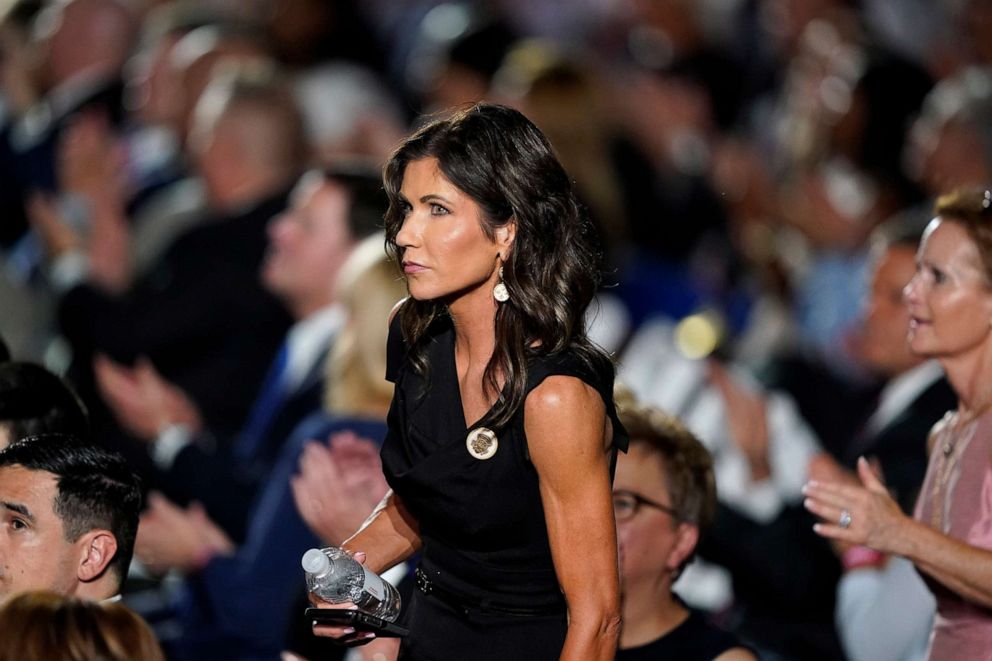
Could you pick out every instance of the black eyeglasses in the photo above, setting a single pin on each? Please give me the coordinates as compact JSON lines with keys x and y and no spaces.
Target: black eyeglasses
{"x":626,"y":504}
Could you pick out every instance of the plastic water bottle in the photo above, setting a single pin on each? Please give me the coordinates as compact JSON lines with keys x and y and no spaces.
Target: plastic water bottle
{"x":336,"y":577}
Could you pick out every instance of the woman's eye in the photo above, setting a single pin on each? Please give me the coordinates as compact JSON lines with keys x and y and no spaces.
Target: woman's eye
{"x":438,"y":210}
{"x":938,"y":276}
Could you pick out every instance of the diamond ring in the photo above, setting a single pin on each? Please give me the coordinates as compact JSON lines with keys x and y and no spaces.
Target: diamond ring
{"x":845,"y":519}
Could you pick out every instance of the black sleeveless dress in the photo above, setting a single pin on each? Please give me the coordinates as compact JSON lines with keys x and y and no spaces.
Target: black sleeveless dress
{"x":481,"y":520}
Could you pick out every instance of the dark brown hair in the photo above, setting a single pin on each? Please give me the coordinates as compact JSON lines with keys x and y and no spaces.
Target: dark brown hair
{"x":497,"y":157}
{"x":58,"y":628}
{"x":970,"y":207}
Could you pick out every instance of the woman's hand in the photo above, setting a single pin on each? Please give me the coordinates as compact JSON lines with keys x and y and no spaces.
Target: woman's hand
{"x":338,"y":486}
{"x":865,"y":515}
{"x":346,"y":635}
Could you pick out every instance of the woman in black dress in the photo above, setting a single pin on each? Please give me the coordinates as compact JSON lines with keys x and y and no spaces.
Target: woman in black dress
{"x":502,"y":431}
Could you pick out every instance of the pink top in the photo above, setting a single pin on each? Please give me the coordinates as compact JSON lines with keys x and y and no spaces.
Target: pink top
{"x":956,"y":498}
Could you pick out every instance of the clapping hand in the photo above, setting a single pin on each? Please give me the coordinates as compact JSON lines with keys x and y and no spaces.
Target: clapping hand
{"x":143,"y":402}
{"x":338,"y":486}
{"x":863,"y":514}
{"x":747,"y":419}
{"x":170,"y":537}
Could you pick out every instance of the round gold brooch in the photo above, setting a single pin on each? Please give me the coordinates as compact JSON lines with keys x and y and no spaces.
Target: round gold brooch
{"x":481,"y":443}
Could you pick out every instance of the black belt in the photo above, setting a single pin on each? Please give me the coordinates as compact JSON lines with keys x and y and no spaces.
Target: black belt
{"x":466,"y":604}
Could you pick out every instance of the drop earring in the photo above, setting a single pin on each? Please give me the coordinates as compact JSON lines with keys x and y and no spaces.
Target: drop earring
{"x":500,"y":292}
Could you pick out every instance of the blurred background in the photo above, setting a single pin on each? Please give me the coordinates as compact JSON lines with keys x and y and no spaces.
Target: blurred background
{"x":736,"y":156}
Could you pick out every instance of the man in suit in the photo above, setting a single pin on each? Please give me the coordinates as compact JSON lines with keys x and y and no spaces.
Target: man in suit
{"x":329,"y":213}
{"x":199,"y":314}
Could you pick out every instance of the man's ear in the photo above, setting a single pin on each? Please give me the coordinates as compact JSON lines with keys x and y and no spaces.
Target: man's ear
{"x":97,"y":549}
{"x":687,"y":536}
{"x":505,"y":234}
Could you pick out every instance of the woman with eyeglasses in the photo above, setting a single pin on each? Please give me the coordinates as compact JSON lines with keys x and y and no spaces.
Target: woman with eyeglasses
{"x":949,"y":538}
{"x":664,"y":496}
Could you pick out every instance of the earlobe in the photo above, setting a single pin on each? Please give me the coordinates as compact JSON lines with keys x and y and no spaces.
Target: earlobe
{"x":98,"y":549}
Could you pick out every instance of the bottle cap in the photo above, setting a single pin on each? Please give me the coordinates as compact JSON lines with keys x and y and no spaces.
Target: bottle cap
{"x":314,"y":561}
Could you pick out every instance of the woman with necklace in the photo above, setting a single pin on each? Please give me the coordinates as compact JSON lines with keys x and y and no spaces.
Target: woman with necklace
{"x":950,"y":538}
{"x":502,"y":433}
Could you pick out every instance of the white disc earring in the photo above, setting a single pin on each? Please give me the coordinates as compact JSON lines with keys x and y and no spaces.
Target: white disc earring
{"x":500,"y":292}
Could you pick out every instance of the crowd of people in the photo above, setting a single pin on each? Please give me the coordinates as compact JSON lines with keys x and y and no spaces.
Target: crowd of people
{"x":777,"y":212}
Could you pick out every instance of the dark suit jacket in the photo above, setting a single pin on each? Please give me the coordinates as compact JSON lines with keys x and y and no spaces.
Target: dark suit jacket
{"x":901,"y":446}
{"x":200,"y":314}
{"x":240,"y":607}
{"x":224,"y":481}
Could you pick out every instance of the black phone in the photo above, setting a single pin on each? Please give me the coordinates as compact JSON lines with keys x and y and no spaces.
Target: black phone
{"x":346,"y":617}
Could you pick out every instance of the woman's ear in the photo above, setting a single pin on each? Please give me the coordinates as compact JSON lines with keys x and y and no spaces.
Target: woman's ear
{"x":505,"y":234}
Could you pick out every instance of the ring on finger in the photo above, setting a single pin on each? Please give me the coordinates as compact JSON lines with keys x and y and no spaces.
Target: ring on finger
{"x":845,"y":519}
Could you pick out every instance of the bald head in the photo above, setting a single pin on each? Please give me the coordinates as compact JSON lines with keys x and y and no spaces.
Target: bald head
{"x":198,"y":55}
{"x":247,"y":134}
{"x":84,"y":35}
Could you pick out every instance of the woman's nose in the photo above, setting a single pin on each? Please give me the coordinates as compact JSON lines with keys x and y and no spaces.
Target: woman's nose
{"x":909,"y":292}
{"x":407,"y":236}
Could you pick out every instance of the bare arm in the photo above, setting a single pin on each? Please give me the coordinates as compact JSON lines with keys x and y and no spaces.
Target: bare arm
{"x":877,"y":521}
{"x":388,"y":537}
{"x":566,"y":427}
{"x":737,"y":654}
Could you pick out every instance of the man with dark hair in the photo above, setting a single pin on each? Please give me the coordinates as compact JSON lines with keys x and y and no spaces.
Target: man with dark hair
{"x":35,"y":401}
{"x":70,"y":515}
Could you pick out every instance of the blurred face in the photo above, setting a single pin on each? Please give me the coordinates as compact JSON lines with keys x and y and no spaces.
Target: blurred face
{"x":307,"y":244}
{"x":950,"y":302}
{"x":944,"y":156}
{"x":652,"y":544}
{"x":445,"y":252}
{"x":885,"y":347}
{"x":34,"y":554}
{"x":154,"y":84}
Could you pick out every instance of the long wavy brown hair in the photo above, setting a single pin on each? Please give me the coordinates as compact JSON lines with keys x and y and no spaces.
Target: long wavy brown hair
{"x":501,"y":160}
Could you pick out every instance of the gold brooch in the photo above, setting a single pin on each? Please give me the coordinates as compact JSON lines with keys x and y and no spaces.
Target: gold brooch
{"x":481,"y":443}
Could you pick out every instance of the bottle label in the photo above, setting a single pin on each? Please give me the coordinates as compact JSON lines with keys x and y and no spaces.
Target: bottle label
{"x":374,"y":585}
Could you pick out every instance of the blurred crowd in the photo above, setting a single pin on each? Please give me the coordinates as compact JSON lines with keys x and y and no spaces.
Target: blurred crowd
{"x":190,"y":216}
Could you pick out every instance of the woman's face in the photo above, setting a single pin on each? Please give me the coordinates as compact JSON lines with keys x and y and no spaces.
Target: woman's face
{"x":949,"y":299}
{"x":445,"y":252}
{"x":652,"y":542}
